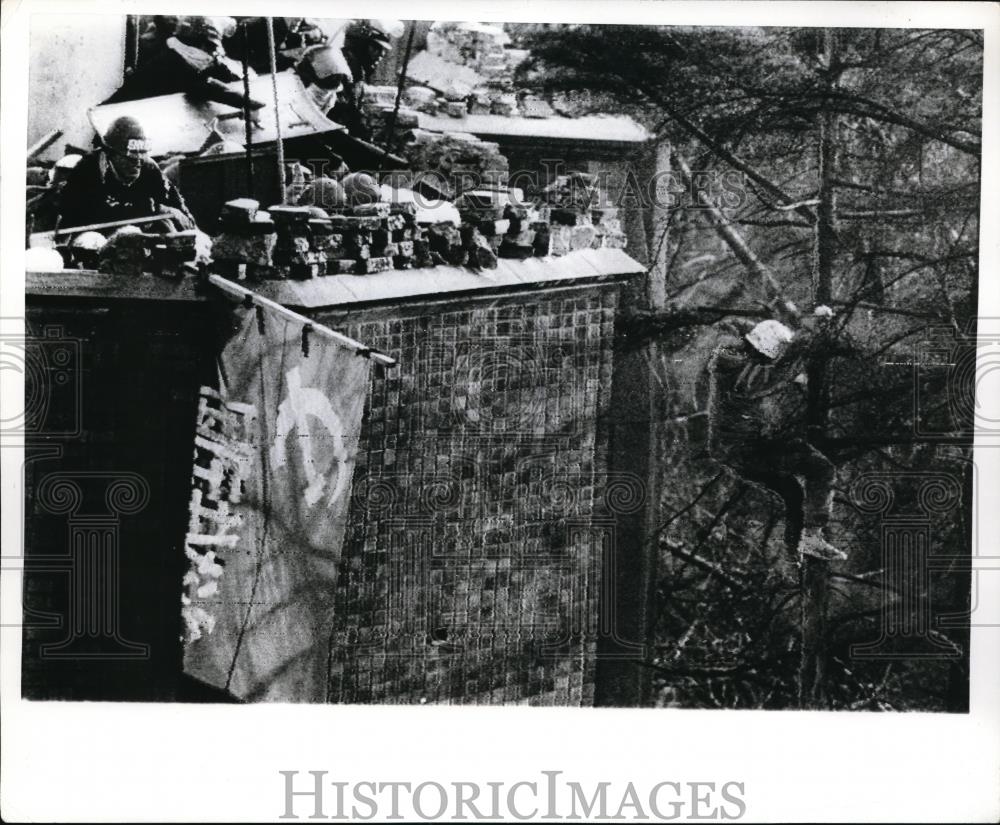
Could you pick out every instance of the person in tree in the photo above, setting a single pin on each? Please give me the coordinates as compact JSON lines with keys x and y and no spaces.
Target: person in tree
{"x":119,"y":181}
{"x":757,"y":423}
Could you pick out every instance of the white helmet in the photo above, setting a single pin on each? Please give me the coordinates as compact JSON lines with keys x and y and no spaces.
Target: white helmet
{"x":89,"y":241}
{"x":387,"y":30}
{"x":327,"y":61}
{"x":770,"y":338}
{"x":823,"y":311}
{"x":64,"y":166}
{"x":68,"y":161}
{"x":39,"y":259}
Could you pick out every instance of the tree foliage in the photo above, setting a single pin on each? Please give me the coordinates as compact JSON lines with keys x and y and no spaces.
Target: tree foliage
{"x":860,"y":153}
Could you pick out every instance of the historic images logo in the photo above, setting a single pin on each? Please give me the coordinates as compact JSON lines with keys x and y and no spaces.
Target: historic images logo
{"x":953,"y":375}
{"x":546,"y":797}
{"x":50,"y":364}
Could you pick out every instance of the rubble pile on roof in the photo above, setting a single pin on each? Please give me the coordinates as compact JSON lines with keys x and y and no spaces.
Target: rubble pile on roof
{"x":458,"y":161}
{"x":356,"y":227}
{"x":471,"y":68}
{"x":479,"y":46}
{"x":466,"y":74}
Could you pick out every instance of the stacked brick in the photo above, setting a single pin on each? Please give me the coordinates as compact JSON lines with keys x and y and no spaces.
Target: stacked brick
{"x":569,"y":230}
{"x":573,"y":208}
{"x":244,"y":248}
{"x":378,"y":109}
{"x":476,"y":45}
{"x":371,"y":238}
{"x":481,"y":80}
{"x":302,"y":242}
{"x":457,"y":160}
{"x":483,"y":49}
{"x":175,"y":254}
{"x":130,"y":251}
{"x":569,"y":221}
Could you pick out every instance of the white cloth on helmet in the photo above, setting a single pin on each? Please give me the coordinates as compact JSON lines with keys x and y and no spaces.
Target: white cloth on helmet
{"x":393,"y":29}
{"x":770,"y":338}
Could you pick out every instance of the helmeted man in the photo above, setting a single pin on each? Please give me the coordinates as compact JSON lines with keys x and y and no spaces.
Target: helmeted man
{"x":366,"y":42}
{"x":42,"y":209}
{"x":292,"y":36}
{"x":192,"y":61}
{"x":757,"y":424}
{"x":323,"y":70}
{"x":119,"y":181}
{"x":154,"y":39}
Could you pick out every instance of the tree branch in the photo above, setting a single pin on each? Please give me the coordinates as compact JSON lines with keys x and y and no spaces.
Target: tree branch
{"x":677,"y":549}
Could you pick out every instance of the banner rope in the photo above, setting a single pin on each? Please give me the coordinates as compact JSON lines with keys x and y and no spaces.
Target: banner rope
{"x":321,"y":330}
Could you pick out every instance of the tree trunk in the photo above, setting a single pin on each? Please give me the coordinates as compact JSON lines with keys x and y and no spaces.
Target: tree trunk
{"x":659,"y":241}
{"x":815,"y":573}
{"x":769,"y":283}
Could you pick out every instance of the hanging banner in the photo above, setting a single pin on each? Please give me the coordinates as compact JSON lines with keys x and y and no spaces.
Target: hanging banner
{"x":271,"y":488}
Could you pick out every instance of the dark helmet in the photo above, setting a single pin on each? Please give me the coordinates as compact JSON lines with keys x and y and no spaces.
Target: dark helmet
{"x":126,"y":136}
{"x":381,"y":32}
{"x":324,"y":192}
{"x":206,"y":32}
{"x":361,"y":188}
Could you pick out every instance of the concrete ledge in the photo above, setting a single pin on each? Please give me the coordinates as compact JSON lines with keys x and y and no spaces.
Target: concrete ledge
{"x":85,"y":283}
{"x":616,"y":129}
{"x":583,"y":266}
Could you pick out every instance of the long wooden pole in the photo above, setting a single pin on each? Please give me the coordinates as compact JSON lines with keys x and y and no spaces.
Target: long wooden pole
{"x":247,"y":121}
{"x":43,"y":144}
{"x":272,"y":56}
{"x":319,"y":329}
{"x":390,"y":129}
{"x":97,"y":227}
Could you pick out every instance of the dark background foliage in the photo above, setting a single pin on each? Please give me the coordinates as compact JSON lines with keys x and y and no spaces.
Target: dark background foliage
{"x":860,"y":154}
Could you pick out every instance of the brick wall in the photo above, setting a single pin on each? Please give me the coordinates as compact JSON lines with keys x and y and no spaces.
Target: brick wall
{"x":473,"y":568}
{"x":485,"y":510}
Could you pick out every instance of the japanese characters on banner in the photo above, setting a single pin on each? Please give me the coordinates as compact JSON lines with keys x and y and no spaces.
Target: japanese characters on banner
{"x":271,"y":484}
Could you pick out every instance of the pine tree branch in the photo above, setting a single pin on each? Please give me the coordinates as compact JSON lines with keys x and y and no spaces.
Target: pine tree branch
{"x":677,"y":549}
{"x":709,"y":672}
{"x":721,"y":152}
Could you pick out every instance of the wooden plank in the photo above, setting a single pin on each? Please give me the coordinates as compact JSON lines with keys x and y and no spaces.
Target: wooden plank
{"x":82,"y":283}
{"x":178,"y":123}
